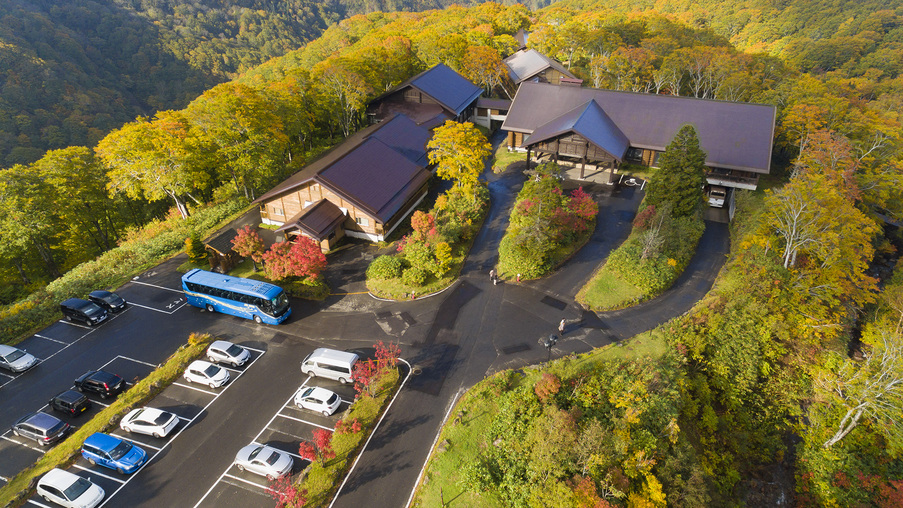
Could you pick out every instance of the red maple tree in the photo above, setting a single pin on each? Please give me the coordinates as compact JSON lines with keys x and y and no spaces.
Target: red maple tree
{"x":286,"y":493}
{"x":301,"y":258}
{"x":249,"y":244}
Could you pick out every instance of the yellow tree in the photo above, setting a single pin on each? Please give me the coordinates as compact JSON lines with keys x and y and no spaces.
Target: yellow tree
{"x":345,"y":87}
{"x":458,"y":150}
{"x":155,"y":159}
{"x":483,"y":65}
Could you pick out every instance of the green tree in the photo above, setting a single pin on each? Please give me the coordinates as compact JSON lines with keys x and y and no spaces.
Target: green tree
{"x":458,"y":150}
{"x":680,"y":176}
{"x":195,"y":249}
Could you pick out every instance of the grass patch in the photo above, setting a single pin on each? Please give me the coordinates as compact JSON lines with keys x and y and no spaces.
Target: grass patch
{"x":607,"y":291}
{"x":459,"y":443}
{"x":19,"y":487}
{"x":322,"y":479}
{"x":502,"y":158}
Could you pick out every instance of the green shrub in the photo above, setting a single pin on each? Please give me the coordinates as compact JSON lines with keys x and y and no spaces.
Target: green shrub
{"x":385,"y":267}
{"x":414,"y":276}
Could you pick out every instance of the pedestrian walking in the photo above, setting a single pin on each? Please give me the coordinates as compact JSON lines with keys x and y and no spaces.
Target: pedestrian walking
{"x":561,"y":327}
{"x":494,"y":276}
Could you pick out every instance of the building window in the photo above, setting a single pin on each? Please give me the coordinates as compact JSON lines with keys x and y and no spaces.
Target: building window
{"x":362,"y":221}
{"x":634,"y":154}
{"x":655,"y":159}
{"x":278,"y":211}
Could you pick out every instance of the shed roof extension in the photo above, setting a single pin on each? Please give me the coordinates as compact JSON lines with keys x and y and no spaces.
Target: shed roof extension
{"x":734,"y":135}
{"x":317,"y":220}
{"x":587,"y":120}
{"x":526,"y":63}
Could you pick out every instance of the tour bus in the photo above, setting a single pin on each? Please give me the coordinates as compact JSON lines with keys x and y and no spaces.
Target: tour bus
{"x":247,"y":298}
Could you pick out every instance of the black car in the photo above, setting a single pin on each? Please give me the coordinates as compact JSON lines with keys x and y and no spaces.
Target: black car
{"x":70,"y":402}
{"x":110,"y":301}
{"x":41,"y":427}
{"x":83,"y":310}
{"x":101,"y":383}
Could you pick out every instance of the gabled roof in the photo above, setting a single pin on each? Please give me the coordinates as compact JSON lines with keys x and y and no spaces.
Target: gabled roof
{"x":450,"y":89}
{"x":222,"y":243}
{"x":734,"y":135}
{"x":384,"y":167}
{"x":589,"y":121}
{"x":526,"y":63}
{"x":317,"y":220}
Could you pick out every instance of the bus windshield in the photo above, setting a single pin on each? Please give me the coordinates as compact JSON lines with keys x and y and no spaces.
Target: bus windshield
{"x":278,"y":305}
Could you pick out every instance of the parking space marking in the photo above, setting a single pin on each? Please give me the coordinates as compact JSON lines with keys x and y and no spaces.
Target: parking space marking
{"x":303,"y":421}
{"x":137,"y":361}
{"x":156,"y":310}
{"x":51,"y":340}
{"x":156,"y":286}
{"x":11,"y":440}
{"x":108,"y":477}
{"x":7,"y":375}
{"x":245,"y":481}
{"x":37,"y":503}
{"x":261,"y":351}
{"x":196,"y":389}
{"x":228,"y":368}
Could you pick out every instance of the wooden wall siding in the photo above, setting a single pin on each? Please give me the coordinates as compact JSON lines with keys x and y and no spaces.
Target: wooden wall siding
{"x":414,"y":95}
{"x":648,"y":157}
{"x":293,"y":202}
{"x":574,"y":145}
{"x":515,"y":139}
{"x":552,"y":76}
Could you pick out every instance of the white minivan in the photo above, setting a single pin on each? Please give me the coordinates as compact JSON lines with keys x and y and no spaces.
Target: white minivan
{"x":331,"y":364}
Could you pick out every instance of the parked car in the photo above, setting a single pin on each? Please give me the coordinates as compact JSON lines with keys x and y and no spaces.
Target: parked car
{"x":109,"y":301}
{"x":100,"y":382}
{"x":331,"y":364}
{"x":15,"y":360}
{"x":206,"y":373}
{"x":222,"y":351}
{"x":263,"y":460}
{"x":114,"y":453}
{"x":41,"y":427}
{"x":150,"y":421}
{"x":317,"y":399}
{"x":69,"y":490}
{"x":76,"y":309}
{"x":70,"y":402}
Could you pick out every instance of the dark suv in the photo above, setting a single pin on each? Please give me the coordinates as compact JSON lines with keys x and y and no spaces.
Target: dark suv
{"x":110,"y":301}
{"x":70,"y":402}
{"x":41,"y":427}
{"x":83,"y":310}
{"x":101,"y":383}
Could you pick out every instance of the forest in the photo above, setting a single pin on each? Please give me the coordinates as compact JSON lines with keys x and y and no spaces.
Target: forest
{"x":758,"y":366}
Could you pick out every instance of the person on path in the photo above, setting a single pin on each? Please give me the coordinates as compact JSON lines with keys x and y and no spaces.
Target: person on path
{"x":561,"y":327}
{"x":493,"y":276}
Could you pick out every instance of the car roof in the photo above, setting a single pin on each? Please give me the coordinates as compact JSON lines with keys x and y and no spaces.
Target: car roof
{"x":148,"y":413}
{"x":58,"y":478}
{"x":221,"y":344}
{"x":77,"y":303}
{"x":199,"y":364}
{"x":99,"y":293}
{"x":4,"y":349}
{"x":70,"y":396}
{"x":102,"y":375}
{"x":102,"y":441}
{"x":41,"y":420}
{"x":333,"y":354}
{"x":321,"y":392}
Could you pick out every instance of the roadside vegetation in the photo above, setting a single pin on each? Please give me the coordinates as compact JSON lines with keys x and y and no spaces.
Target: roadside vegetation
{"x":430,"y":258}
{"x":665,"y":232}
{"x":546,"y":225}
{"x":21,"y":485}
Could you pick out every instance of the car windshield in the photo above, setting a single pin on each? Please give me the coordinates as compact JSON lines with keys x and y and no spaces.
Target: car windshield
{"x":307,"y":392}
{"x":77,"y":489}
{"x":279,"y":304}
{"x":121,"y":449}
{"x":92,"y":309}
{"x":211,"y":370}
{"x":15,"y":355}
{"x":234,"y":350}
{"x":255,"y":452}
{"x":57,"y":428}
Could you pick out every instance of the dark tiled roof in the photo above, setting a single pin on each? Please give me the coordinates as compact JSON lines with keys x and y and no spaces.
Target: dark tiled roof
{"x":317,"y":220}
{"x":450,"y":89}
{"x":526,"y":63}
{"x":591,"y":122}
{"x":372,"y":176}
{"x":222,"y":242}
{"x":734,"y":135}
{"x":405,"y":144}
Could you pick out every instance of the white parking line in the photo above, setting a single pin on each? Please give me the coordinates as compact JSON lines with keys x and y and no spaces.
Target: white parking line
{"x":305,"y":421}
{"x":153,"y":309}
{"x":229,"y":368}
{"x":138,"y":361}
{"x":7,"y":375}
{"x":174,"y":436}
{"x":245,"y":481}
{"x":70,"y":323}
{"x":108,"y":477}
{"x":11,"y":440}
{"x":4,"y":478}
{"x":196,"y":389}
{"x":154,"y":286}
{"x":52,"y":340}
{"x":261,"y":351}
{"x":37,"y":503}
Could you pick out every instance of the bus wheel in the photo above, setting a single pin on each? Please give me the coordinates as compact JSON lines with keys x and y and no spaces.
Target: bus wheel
{"x":257,"y":319}
{"x":209,"y":308}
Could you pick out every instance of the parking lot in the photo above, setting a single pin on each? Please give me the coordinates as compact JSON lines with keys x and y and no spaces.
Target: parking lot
{"x":285,"y":431}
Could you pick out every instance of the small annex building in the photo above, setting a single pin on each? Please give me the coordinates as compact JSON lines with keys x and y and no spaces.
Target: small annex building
{"x":429,"y":98}
{"x":598,"y":130}
{"x":219,"y":251}
{"x":531,"y":65}
{"x":362,"y":188}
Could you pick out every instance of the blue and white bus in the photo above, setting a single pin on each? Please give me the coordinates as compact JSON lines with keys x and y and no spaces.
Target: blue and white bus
{"x":247,"y":298}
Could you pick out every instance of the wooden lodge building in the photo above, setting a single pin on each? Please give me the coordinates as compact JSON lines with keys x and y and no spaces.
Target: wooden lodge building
{"x":599,"y":130}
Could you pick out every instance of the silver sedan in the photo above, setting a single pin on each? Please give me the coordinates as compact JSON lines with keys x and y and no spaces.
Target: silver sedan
{"x":263,"y":460}
{"x":150,"y":421}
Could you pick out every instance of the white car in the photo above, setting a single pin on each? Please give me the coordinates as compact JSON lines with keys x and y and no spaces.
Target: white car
{"x":263,"y":460}
{"x":222,"y":351}
{"x":66,"y":489}
{"x":317,"y":399}
{"x":15,"y":360}
{"x":206,"y":373}
{"x":150,"y":421}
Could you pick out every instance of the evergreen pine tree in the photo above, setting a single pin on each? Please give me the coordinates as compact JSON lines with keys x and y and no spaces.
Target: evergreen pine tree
{"x":680,"y":175}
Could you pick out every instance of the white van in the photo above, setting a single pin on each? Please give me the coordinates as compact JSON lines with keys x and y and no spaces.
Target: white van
{"x":331,"y":364}
{"x":717,"y":195}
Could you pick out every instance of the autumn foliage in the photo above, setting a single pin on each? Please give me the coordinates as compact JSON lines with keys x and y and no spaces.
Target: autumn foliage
{"x":301,"y":258}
